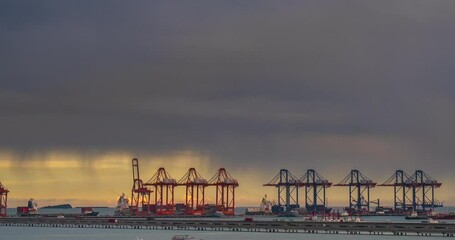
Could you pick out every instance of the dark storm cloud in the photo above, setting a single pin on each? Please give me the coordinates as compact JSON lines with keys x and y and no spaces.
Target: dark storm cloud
{"x":291,"y":83}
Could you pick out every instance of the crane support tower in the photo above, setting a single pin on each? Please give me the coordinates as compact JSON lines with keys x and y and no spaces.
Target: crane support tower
{"x":359,"y":191}
{"x":164,"y":186}
{"x":288,"y":189}
{"x":195,"y":186}
{"x":225,"y":191}
{"x":315,"y":188}
{"x":140,"y":195}
{"x":401,"y":190}
{"x":423,"y":191}
{"x":3,"y":200}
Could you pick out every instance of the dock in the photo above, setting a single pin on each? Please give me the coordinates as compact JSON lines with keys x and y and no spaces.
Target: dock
{"x":310,"y":227}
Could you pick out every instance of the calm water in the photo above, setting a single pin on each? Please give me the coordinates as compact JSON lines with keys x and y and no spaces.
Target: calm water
{"x":38,"y":233}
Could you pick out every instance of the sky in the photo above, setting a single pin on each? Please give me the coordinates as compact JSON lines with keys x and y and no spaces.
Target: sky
{"x":252,"y":86}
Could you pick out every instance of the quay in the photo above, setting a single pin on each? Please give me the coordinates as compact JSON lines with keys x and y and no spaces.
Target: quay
{"x":314,"y":227}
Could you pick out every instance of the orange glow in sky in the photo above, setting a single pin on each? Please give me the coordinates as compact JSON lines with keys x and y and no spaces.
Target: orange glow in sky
{"x":98,"y":179}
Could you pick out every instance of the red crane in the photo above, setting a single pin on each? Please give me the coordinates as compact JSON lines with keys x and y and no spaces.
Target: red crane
{"x":140,"y":195}
{"x":225,"y":191}
{"x":164,"y":191}
{"x":3,"y":200}
{"x":195,"y":186}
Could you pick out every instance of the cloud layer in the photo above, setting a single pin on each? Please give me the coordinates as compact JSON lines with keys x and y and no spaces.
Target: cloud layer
{"x":297,"y":84}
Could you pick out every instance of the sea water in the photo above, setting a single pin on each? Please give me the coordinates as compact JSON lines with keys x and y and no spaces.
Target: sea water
{"x":44,"y":233}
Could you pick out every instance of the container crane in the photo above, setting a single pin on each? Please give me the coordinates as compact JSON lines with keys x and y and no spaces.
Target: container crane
{"x":288,"y":189}
{"x":315,"y":189}
{"x":225,"y":191}
{"x":359,"y":191}
{"x":195,"y":186}
{"x":164,"y":186}
{"x":140,"y":195}
{"x":401,"y":190}
{"x":423,"y":191}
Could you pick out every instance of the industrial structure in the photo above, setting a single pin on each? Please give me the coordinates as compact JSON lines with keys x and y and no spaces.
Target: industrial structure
{"x":288,"y":190}
{"x":315,"y":189}
{"x":400,"y":190}
{"x":3,"y":200}
{"x":163,"y":200}
{"x":195,"y":186}
{"x":225,"y":191}
{"x":140,"y":195}
{"x":164,"y":186}
{"x":359,"y":191}
{"x":413,"y":193}
{"x":423,"y":191}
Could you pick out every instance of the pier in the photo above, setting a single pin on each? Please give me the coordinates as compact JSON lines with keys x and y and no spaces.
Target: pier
{"x":312,"y":227}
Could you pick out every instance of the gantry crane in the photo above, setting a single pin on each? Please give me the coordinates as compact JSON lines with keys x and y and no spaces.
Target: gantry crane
{"x":401,"y":190}
{"x":423,"y":191}
{"x":225,"y":191}
{"x":195,"y":186}
{"x":359,"y":191}
{"x":315,"y":189}
{"x":288,"y":189}
{"x":164,"y":186}
{"x":140,"y":195}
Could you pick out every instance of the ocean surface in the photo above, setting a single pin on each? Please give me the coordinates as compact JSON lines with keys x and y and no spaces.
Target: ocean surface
{"x":44,"y":233}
